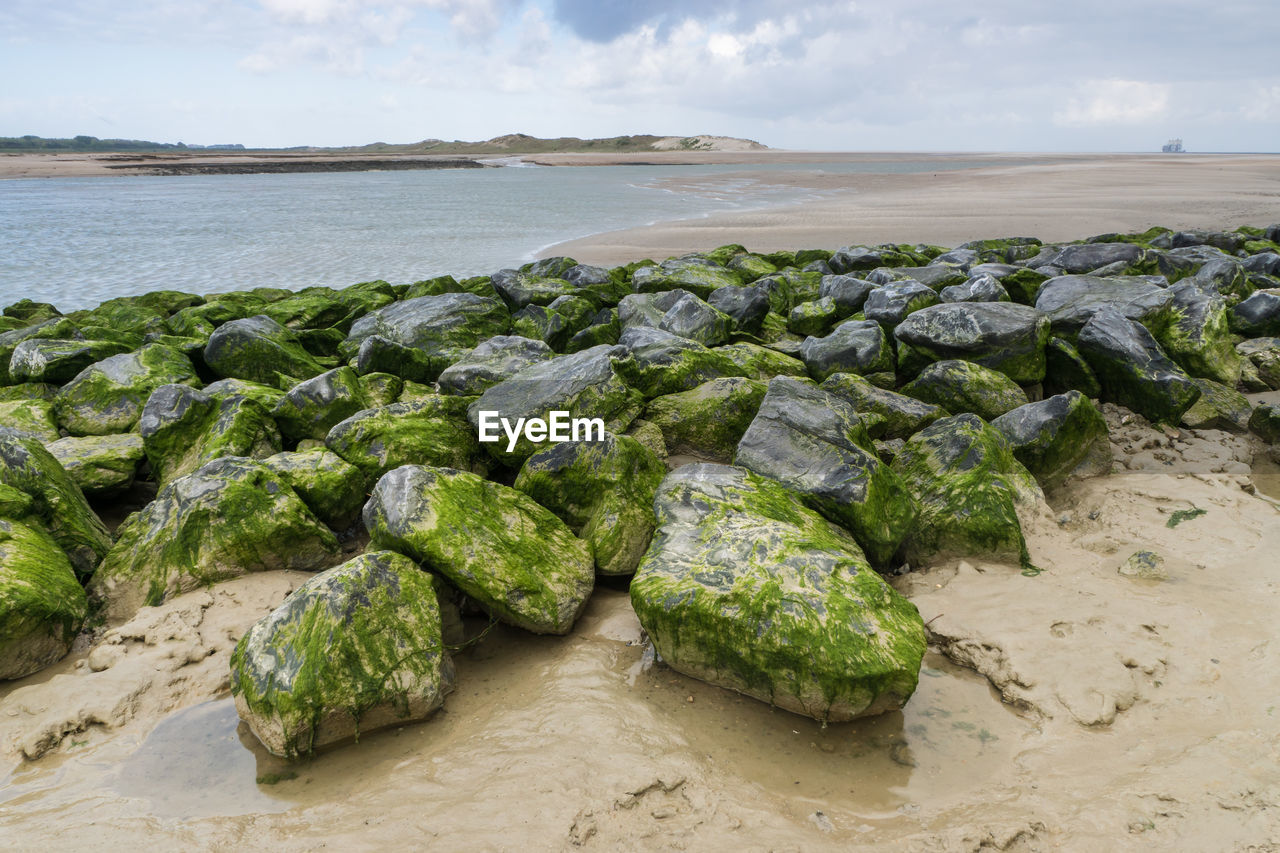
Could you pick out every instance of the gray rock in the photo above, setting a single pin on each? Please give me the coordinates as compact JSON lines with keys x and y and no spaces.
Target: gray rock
{"x":1059,"y":437}
{"x":1132,"y":368}
{"x":259,"y":349}
{"x":1004,"y":336}
{"x":491,"y":362}
{"x":902,"y":416}
{"x":982,"y":287}
{"x":1071,"y":300}
{"x":747,"y":306}
{"x":314,"y":406}
{"x":57,"y":361}
{"x":890,"y":304}
{"x":856,"y":346}
{"x":962,"y":386}
{"x":1258,"y":316}
{"x":443,"y":329}
{"x":1090,"y":256}
{"x":848,"y":292}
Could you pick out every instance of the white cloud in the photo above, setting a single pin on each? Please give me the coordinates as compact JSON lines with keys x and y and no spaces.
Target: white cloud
{"x":1115,"y":102}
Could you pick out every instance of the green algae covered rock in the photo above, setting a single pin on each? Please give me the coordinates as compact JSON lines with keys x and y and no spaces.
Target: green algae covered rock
{"x":494,"y":543}
{"x":1264,"y":422}
{"x":42,"y":605}
{"x":57,"y":361}
{"x":1058,"y":437}
{"x":232,"y":516}
{"x":1198,"y":339}
{"x":815,"y":317}
{"x":1133,"y":369}
{"x":490,"y":362}
{"x":698,"y":275}
{"x":962,"y":386}
{"x":28,"y":391}
{"x":746,"y":588}
{"x":332,"y":489}
{"x":708,"y":421}
{"x":1003,"y":336}
{"x":183,"y":428}
{"x":312,"y":407}
{"x":1218,"y":407}
{"x":665,"y":363}
{"x":757,"y":362}
{"x":261,"y":350}
{"x":900,"y":416}
{"x":30,"y":417}
{"x":355,"y":648}
{"x":603,"y":490}
{"x":1067,"y":370}
{"x":107,"y":397}
{"x":56,"y":502}
{"x":968,"y":484}
{"x":817,"y":445}
{"x":1263,"y":355}
{"x":266,"y":395}
{"x":100,"y":464}
{"x":432,"y":430}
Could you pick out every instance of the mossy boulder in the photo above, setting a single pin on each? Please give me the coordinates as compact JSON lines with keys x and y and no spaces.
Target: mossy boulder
{"x":332,"y":489}
{"x":817,"y":445}
{"x":261,"y":350}
{"x":856,"y":346}
{"x":603,"y":490}
{"x":982,"y":287}
{"x":555,"y":324}
{"x":107,"y":397}
{"x":232,"y":516}
{"x":30,"y":417}
{"x":183,"y":428}
{"x":266,"y":395}
{"x":746,"y":588}
{"x":745,"y":306}
{"x":490,"y":362}
{"x":664,"y":363}
{"x":356,"y":648}
{"x":1003,"y":336}
{"x":1071,"y":300}
{"x":312,"y":407}
{"x":57,"y":361}
{"x":428,"y":431}
{"x":1263,"y":355}
{"x":892,"y":303}
{"x":1132,"y":368}
{"x":678,"y":312}
{"x":1058,"y":437}
{"x":848,"y":292}
{"x":757,"y":362}
{"x":492,"y":542}
{"x":1086,"y":257}
{"x":816,"y":317}
{"x":56,"y":503}
{"x":381,"y":389}
{"x":700,"y":276}
{"x":900,"y":416}
{"x":52,"y":328}
{"x":1198,"y":338}
{"x":42,"y":605}
{"x":1258,"y":316}
{"x":962,"y":386}
{"x":709,"y":420}
{"x":1067,"y":370}
{"x":1264,"y":422}
{"x":968,"y":484}
{"x":1219,"y":407}
{"x":28,"y":391}
{"x":522,"y":288}
{"x":100,"y":464}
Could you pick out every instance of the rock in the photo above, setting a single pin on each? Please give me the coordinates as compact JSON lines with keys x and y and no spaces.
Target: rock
{"x":746,"y":588}
{"x":849,"y":293}
{"x":492,"y":361}
{"x":99,"y":464}
{"x":183,"y":428}
{"x":933,"y":276}
{"x":521,"y":288}
{"x":664,"y":363}
{"x":107,"y":397}
{"x":438,"y":329}
{"x":1258,"y":316}
{"x":962,"y":386}
{"x":814,"y":318}
{"x":31,"y":312}
{"x":603,"y":490}
{"x":1067,"y":370}
{"x":57,"y":361}
{"x":56,"y":503}
{"x":1071,"y":300}
{"x":708,"y":421}
{"x":1133,"y":370}
{"x":332,"y":489}
{"x":817,"y":445}
{"x":1223,"y":275}
{"x":381,"y":389}
{"x":429,"y":431}
{"x":494,"y":543}
{"x":856,"y":346}
{"x":28,"y":391}
{"x":1091,"y":256}
{"x":746,"y":306}
{"x":756,"y":362}
{"x":314,"y":406}
{"x":354,"y":649}
{"x":1144,"y":565}
{"x":1265,"y":422}
{"x":1059,"y":437}
{"x":42,"y":605}
{"x":53,"y":328}
{"x":555,"y":324}
{"x":699,"y":276}
{"x":1198,"y":339}
{"x":889,"y":305}
{"x":1003,"y":249}
{"x":1219,"y":407}
{"x":233,"y":515}
{"x":968,"y":484}
{"x":901,"y":416}
{"x":32,"y":418}
{"x":678,"y":312}
{"x":584,"y":384}
{"x":267,"y":396}
{"x":1003,"y":336}
{"x":259,"y":349}
{"x":1264,"y":355}
{"x":982,"y":287}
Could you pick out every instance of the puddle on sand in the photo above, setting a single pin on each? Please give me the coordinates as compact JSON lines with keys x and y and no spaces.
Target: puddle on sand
{"x":1266,"y":476}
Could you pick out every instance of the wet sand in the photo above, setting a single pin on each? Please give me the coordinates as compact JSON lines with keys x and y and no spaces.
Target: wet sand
{"x":1077,"y":709}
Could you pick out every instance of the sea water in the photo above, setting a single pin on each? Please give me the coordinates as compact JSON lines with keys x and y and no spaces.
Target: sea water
{"x":78,"y":241}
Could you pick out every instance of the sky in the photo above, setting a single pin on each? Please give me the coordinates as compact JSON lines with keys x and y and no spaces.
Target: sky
{"x":915,"y":75}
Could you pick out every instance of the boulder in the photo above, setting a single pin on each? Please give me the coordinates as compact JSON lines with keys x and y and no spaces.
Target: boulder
{"x":56,"y":503}
{"x":1258,"y":316}
{"x":663,"y":363}
{"x":356,"y":648}
{"x":848,"y":292}
{"x":900,"y":416}
{"x":1067,"y":370}
{"x":492,"y":542}
{"x":555,"y":324}
{"x":522,"y":288}
{"x":757,"y":362}
{"x":33,"y":418}
{"x":889,"y":305}
{"x":603,"y":490}
{"x":968,"y":484}
{"x":1090,"y":256}
{"x":983,"y":287}
{"x":700,"y":276}
{"x":42,"y":605}
{"x":428,"y":431}
{"x":1070,"y":301}
{"x":266,"y":395}
{"x":438,"y":330}
{"x":1263,"y":354}
{"x":746,"y":306}
{"x":259,"y":349}
{"x":183,"y":428}
{"x":312,"y":407}
{"x":708,"y":421}
{"x":814,"y":318}
{"x":1198,"y":339}
{"x":99,"y":464}
{"x":817,"y":445}
{"x":1133,"y":370}
{"x":962,"y":386}
{"x":52,"y":328}
{"x":933,"y":276}
{"x":678,"y":312}
{"x":107,"y":397}
{"x":1218,"y":407}
{"x":746,"y":588}
{"x":57,"y":361}
{"x":1058,"y":437}
{"x":332,"y":489}
{"x":1264,"y":422}
{"x":1003,"y":336}
{"x":856,"y":346}
{"x":492,"y":361}
{"x":233,"y":515}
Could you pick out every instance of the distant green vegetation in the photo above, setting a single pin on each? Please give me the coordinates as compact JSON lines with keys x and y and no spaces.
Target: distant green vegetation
{"x":93,"y":143}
